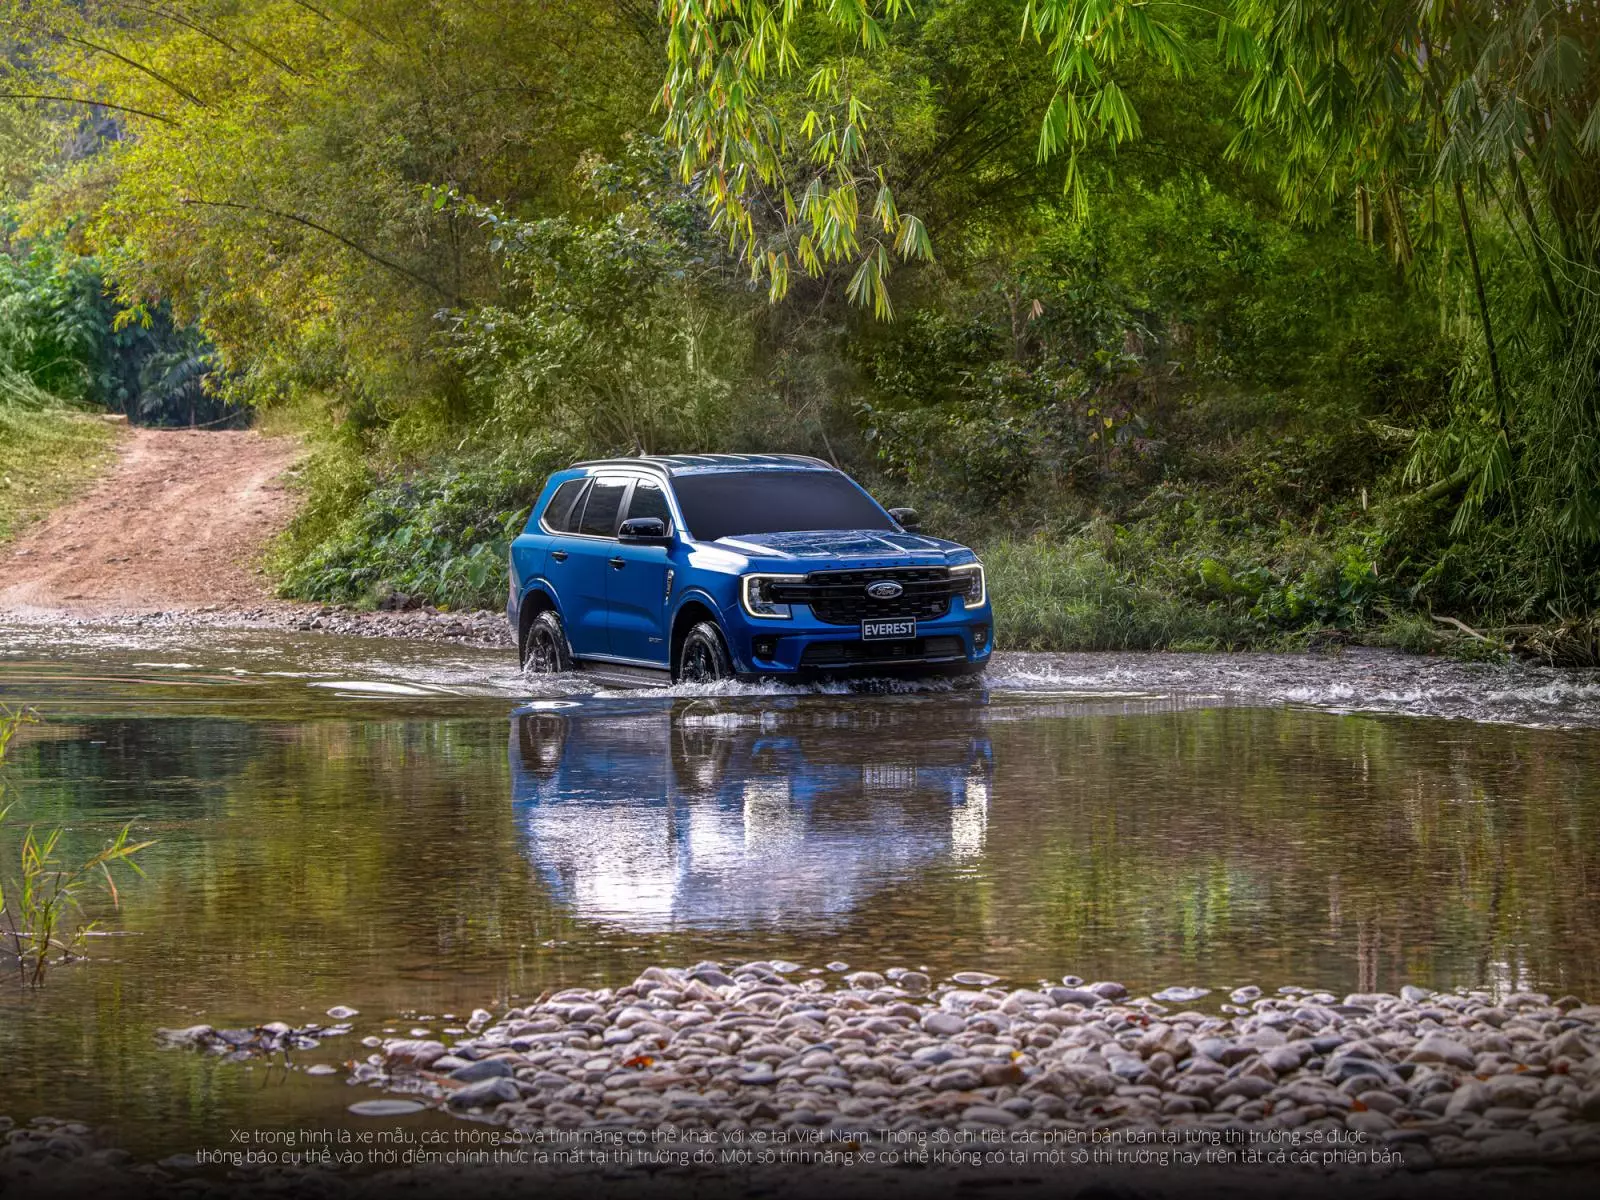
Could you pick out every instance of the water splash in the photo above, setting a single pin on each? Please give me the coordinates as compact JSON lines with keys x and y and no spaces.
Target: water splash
{"x":1359,"y":680}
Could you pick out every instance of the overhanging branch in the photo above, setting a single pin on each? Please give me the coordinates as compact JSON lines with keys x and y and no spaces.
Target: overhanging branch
{"x":295,"y":218}
{"x":138,"y":112}
{"x":139,"y":66}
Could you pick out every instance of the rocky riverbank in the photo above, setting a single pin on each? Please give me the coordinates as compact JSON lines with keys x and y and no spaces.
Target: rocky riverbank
{"x":716,"y":1080}
{"x":894,"y":1073}
{"x":1441,"y":1078}
{"x":474,"y":628}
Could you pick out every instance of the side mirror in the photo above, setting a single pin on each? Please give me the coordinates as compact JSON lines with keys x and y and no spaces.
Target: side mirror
{"x":643,"y":529}
{"x":907,"y":519}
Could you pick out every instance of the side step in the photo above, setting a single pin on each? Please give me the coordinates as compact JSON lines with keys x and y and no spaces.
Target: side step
{"x":619,"y":675}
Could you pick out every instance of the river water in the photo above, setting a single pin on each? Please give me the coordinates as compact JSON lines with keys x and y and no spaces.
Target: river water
{"x":415,"y":831}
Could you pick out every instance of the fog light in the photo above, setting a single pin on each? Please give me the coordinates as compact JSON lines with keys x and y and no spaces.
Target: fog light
{"x":980,"y":636}
{"x":766,"y":647}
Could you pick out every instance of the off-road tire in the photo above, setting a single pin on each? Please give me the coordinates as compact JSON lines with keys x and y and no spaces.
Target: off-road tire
{"x":544,"y":649}
{"x":703,"y":657}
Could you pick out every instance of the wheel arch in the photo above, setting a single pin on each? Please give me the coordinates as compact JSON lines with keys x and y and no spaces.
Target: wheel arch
{"x":535,"y":600}
{"x":696,"y":607}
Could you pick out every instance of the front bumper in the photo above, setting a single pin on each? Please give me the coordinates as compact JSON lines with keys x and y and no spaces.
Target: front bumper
{"x":958,"y":643}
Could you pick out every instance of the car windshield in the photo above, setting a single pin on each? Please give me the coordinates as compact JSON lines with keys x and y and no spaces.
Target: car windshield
{"x":722,"y":504}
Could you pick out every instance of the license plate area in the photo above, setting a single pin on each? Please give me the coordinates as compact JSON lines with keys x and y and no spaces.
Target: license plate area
{"x":888,"y":629}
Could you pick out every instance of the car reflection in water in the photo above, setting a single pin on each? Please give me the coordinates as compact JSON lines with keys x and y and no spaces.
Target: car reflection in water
{"x":661,"y":819}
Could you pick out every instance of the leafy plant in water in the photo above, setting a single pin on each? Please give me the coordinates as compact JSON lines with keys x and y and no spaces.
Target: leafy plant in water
{"x":38,"y":902}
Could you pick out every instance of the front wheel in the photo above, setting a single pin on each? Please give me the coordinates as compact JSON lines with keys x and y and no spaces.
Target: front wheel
{"x":544,"y":651}
{"x":703,"y":657}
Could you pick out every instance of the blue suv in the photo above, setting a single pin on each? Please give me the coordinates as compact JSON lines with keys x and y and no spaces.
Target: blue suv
{"x":765,"y":805}
{"x":755,"y":566}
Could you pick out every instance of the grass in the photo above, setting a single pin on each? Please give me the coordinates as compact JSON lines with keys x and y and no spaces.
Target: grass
{"x":47,"y":456}
{"x":1097,"y":590}
{"x":1069,"y":595}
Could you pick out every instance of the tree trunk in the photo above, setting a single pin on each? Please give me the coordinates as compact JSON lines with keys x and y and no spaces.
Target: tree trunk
{"x":1483,"y":305}
{"x":1541,"y":256}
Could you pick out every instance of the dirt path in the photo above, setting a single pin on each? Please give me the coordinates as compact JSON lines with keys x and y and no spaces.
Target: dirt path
{"x":179,"y":522}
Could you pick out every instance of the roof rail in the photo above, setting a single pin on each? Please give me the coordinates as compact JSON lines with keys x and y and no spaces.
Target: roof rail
{"x":647,"y":463}
{"x":665,"y":463}
{"x":808,"y":458}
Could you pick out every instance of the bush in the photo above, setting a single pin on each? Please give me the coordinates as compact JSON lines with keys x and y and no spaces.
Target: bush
{"x":62,"y":332}
{"x":439,"y":532}
{"x":1181,"y":580}
{"x":620,"y":332}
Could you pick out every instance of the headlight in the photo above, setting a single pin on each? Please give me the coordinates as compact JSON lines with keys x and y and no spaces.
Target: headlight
{"x":976,"y":591}
{"x":755,"y":593}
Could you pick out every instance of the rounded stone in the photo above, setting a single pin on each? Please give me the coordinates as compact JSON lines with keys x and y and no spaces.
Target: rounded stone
{"x":385,"y":1108}
{"x":943,"y":1024}
{"x":488,"y":1068}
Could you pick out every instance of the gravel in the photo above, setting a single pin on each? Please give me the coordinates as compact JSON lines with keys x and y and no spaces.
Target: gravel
{"x":470,"y":628}
{"x":1434,"y":1079}
{"x":1429,"y":1091}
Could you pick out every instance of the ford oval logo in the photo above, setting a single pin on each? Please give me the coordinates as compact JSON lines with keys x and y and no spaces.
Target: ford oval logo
{"x":884,"y":589}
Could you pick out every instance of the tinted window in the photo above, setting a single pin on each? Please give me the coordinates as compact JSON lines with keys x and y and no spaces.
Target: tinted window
{"x":600,"y":510}
{"x":649,"y":501}
{"x":558,"y":513}
{"x":725,"y":504}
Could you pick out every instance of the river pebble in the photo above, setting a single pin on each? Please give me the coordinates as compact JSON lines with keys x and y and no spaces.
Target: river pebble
{"x":1455,"y":1080}
{"x":385,"y":1108}
{"x":748,"y":1046}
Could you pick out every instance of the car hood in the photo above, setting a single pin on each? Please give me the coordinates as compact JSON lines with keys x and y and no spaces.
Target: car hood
{"x":841,"y":544}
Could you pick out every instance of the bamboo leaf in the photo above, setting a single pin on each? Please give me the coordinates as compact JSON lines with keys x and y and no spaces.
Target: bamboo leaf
{"x":1589,"y":135}
{"x":914,"y":241}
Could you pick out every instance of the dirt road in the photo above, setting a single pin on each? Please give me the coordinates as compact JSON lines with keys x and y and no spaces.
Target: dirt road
{"x":179,"y":522}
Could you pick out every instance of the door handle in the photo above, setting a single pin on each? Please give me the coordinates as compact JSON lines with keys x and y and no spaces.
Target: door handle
{"x":559,"y":555}
{"x":618,"y":563}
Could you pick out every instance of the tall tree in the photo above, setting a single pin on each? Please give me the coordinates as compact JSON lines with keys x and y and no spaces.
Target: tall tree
{"x":275,"y":167}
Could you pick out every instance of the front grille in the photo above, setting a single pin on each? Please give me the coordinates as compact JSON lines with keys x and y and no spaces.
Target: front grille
{"x":840,"y":597}
{"x":846,"y":654}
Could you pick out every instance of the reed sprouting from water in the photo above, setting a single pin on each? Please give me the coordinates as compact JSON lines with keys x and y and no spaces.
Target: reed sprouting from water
{"x":41,"y":885}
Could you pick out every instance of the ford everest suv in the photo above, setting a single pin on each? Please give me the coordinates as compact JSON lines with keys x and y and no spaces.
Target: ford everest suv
{"x":755,"y":566}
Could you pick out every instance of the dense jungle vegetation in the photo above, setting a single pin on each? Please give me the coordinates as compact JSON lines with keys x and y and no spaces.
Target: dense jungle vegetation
{"x":1210,"y":325}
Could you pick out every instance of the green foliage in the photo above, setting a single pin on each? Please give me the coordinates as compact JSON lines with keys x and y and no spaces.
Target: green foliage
{"x":51,"y":327}
{"x":1465,"y":134}
{"x":1190,"y":338}
{"x":1327,"y":274}
{"x":762,"y":151}
{"x":47,"y":888}
{"x":63,"y":335}
{"x":1180,"y":577}
{"x":273,"y":173}
{"x":441,"y":534}
{"x":618,"y":333}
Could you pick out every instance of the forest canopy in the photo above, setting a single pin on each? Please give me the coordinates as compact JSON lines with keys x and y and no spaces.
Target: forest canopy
{"x":1209,"y":324}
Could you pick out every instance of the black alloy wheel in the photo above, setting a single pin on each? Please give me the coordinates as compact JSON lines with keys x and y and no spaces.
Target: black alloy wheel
{"x":546,"y":650}
{"x":703,"y":658}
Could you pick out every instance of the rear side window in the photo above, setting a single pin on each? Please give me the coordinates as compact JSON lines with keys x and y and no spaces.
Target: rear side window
{"x":601,"y":509}
{"x":559,"y":513}
{"x":649,"y":501}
